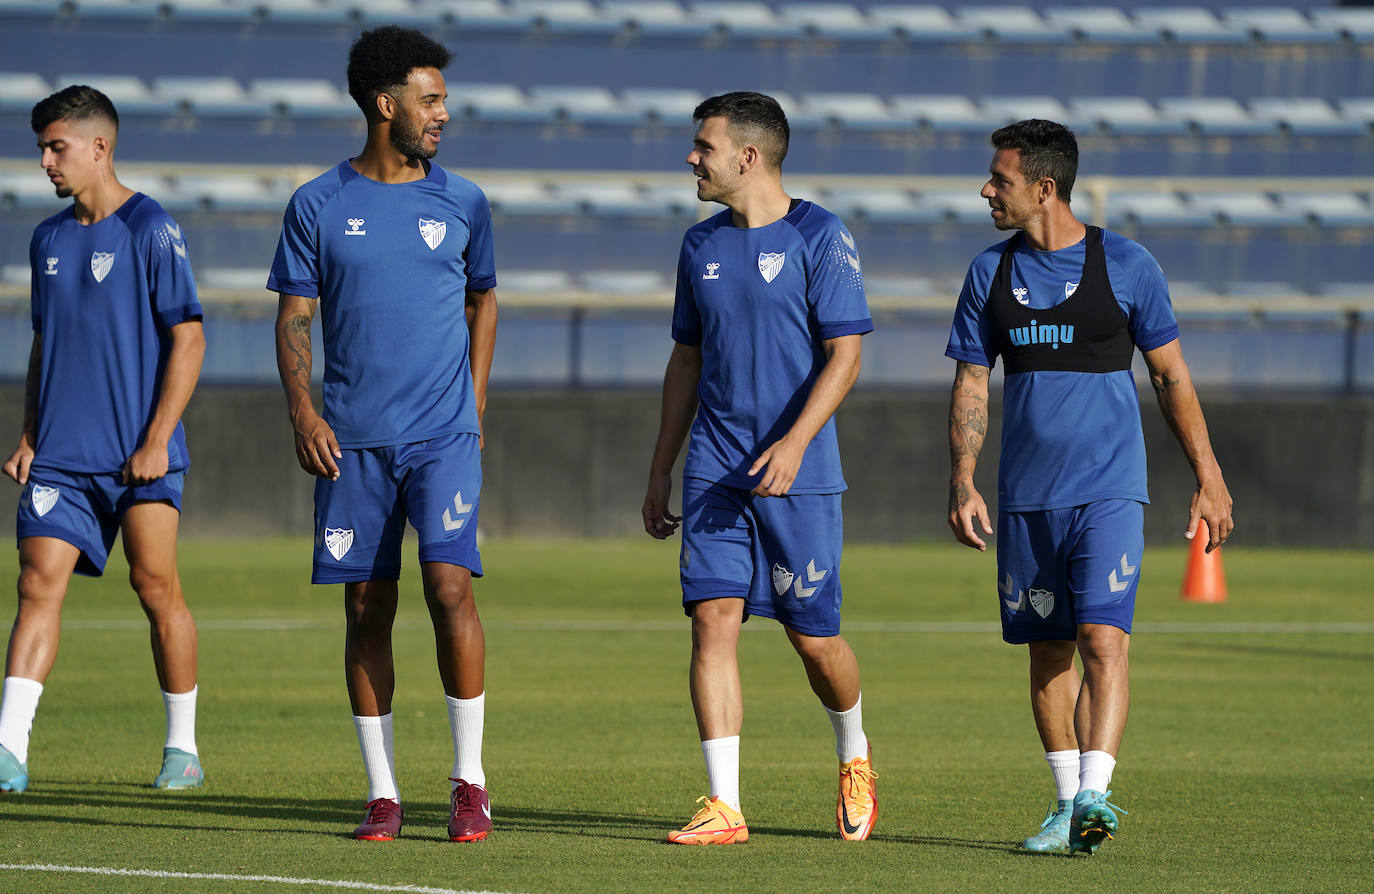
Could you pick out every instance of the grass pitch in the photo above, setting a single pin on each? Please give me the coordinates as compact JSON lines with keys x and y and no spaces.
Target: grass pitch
{"x":1246,"y":764}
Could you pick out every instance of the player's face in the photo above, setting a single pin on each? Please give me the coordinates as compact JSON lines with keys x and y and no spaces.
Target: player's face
{"x":68,"y":156}
{"x":420,"y":115}
{"x":1014,"y":200}
{"x":715,"y":160}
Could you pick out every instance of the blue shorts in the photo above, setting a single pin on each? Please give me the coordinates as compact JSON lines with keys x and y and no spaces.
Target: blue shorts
{"x":1059,"y":568}
{"x":780,"y":554}
{"x":85,"y":510}
{"x":360,"y":519}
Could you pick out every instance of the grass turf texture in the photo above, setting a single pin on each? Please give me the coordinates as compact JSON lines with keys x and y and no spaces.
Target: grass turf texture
{"x":1245,"y":765}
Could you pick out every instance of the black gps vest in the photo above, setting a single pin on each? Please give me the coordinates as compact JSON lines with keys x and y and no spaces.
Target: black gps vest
{"x":1087,"y":332}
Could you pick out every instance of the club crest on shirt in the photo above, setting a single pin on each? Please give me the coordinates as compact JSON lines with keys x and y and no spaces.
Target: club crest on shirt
{"x":338,"y":541}
{"x":432,"y":231}
{"x":782,"y":579}
{"x":101,"y":262}
{"x":770,"y":264}
{"x":1042,"y":601}
{"x":1069,"y":289}
{"x":44,"y":498}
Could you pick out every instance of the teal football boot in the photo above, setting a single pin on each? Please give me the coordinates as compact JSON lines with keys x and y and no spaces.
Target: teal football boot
{"x":1053,"y":837}
{"x":180,"y":769}
{"x":1094,"y":821}
{"x":14,"y":776}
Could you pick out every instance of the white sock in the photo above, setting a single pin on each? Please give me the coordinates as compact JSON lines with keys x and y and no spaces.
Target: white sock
{"x":722,"y":768}
{"x":1064,"y":766}
{"x":466,"y":717}
{"x":181,"y":719}
{"x":375,"y":739}
{"x":17,"y":708}
{"x":850,"y":741}
{"x":1095,"y":771}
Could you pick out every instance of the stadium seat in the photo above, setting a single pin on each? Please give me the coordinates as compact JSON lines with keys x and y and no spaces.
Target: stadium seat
{"x":535,"y":281}
{"x":679,"y":199}
{"x":1304,"y":117}
{"x":212,"y":10}
{"x":15,"y":275}
{"x":1278,"y":24}
{"x":229,"y":192}
{"x":1122,"y":115}
{"x":668,"y":105}
{"x":1153,"y":209}
{"x":526,"y":198}
{"x":1329,"y":209}
{"x":625,"y":282}
{"x":477,"y":15}
{"x":41,"y":9}
{"x":833,"y":21}
{"x":1361,"y":110}
{"x":371,"y":13}
{"x":1352,"y":24}
{"x":940,"y":112}
{"x":1013,"y":24}
{"x":116,"y":9}
{"x":654,"y":18}
{"x":585,"y":105}
{"x":210,"y":96}
{"x":603,"y":198}
{"x":493,"y":102}
{"x":128,"y":93}
{"x":962,"y":204}
{"x":743,"y":18}
{"x":1000,"y":110}
{"x":922,"y":24}
{"x":1099,"y":24}
{"x":1214,"y":115}
{"x":247,"y":280}
{"x":1245,"y":209}
{"x":854,"y":111}
{"x":305,"y":12}
{"x":303,"y":97}
{"x":29,"y":189}
{"x":19,"y":90}
{"x":897,"y":206}
{"x":900,"y":287}
{"x":1189,"y":24}
{"x":565,"y":16}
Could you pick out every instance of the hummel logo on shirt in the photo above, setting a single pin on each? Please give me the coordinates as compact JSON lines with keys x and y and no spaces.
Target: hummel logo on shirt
{"x":1022,"y":296}
{"x":355,"y":227}
{"x":173,"y":230}
{"x":52,"y":267}
{"x":712,"y":271}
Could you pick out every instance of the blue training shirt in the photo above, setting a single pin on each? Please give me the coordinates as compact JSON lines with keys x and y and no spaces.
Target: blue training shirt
{"x":759,"y":302}
{"x":1068,"y":438}
{"x":391,"y":264}
{"x":103,"y":299}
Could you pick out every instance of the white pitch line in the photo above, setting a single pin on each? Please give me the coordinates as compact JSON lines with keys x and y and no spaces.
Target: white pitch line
{"x":225,"y":877}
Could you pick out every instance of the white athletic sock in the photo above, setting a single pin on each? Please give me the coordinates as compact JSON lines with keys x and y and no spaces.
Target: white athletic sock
{"x":181,"y":719}
{"x":722,"y":768}
{"x":17,"y":707}
{"x":466,"y":717}
{"x":1095,"y":771}
{"x":375,"y":739}
{"x":850,"y":741}
{"x":1064,"y":766}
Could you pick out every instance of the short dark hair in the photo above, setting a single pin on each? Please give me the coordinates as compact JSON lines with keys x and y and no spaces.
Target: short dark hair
{"x":75,"y":103}
{"x":751,"y":117}
{"x":1047,"y":150}
{"x":382,"y":59}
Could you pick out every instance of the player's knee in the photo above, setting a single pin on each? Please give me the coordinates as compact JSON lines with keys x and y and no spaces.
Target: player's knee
{"x":36,"y":588}
{"x":156,"y":590}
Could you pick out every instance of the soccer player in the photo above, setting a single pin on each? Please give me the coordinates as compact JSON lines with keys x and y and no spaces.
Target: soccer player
{"x":1065,"y":306}
{"x":117,"y":349}
{"x":398,"y":254}
{"x":767,"y":322}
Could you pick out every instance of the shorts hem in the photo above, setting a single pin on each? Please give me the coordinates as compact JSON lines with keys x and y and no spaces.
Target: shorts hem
{"x":85,"y":565}
{"x":701,"y":590}
{"x":353,"y":576}
{"x":448,"y":557}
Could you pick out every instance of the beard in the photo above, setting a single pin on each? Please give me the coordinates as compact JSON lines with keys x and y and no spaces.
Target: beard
{"x":65,"y":192}
{"x":409,"y":141}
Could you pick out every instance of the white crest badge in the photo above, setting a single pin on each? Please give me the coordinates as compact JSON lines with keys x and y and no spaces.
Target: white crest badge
{"x":432,"y":231}
{"x":1069,"y":289}
{"x":101,"y":262}
{"x":338,"y":541}
{"x":782,"y":579}
{"x":770,"y":264}
{"x":44,"y":498}
{"x":1042,"y":601}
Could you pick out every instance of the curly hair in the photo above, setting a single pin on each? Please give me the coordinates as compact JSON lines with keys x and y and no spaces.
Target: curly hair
{"x":1047,"y":150}
{"x":75,"y":103}
{"x":751,"y":117}
{"x":382,"y":59}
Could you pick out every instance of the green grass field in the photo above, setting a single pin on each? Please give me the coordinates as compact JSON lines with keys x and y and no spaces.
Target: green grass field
{"x":1246,"y":765}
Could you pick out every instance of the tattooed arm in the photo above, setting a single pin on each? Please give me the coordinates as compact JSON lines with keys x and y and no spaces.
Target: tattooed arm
{"x":316,"y":446}
{"x":17,"y":466}
{"x":968,"y":427}
{"x":1178,"y":402}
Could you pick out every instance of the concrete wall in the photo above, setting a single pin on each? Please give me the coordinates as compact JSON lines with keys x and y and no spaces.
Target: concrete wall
{"x":573,"y":463}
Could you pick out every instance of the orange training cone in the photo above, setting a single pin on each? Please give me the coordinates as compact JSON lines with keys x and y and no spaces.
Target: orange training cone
{"x":1204,"y":580}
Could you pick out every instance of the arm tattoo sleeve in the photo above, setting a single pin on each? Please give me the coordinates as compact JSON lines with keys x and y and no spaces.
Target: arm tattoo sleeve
{"x":297,"y":332}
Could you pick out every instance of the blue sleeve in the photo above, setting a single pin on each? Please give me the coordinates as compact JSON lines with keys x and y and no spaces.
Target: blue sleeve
{"x":1146,"y":299}
{"x":686,"y":316}
{"x":970,"y":335}
{"x":171,"y":283}
{"x":296,"y":269}
{"x":835,"y":287}
{"x":480,"y":254}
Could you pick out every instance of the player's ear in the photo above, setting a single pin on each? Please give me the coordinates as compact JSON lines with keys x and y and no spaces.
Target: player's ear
{"x":1048,"y":189}
{"x":100,"y":147}
{"x":748,"y":158}
{"x":386,"y":106}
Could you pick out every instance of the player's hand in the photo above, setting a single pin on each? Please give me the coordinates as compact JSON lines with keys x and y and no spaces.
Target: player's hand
{"x":1211,"y":503}
{"x":148,"y":464}
{"x":316,"y":446}
{"x":779,"y":465}
{"x":17,"y":466}
{"x":658,"y":521}
{"x":967,"y":512}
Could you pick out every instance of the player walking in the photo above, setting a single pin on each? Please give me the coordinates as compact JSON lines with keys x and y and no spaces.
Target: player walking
{"x":398,"y":253}
{"x":117,"y":349}
{"x":769,"y":314}
{"x":1065,"y":306}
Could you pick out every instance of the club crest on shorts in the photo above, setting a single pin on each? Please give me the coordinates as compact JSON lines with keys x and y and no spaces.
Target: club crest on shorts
{"x":770,"y":264}
{"x":1042,"y":601}
{"x":338,"y":541}
{"x":782,"y":579}
{"x":432,"y":231}
{"x":101,"y":262}
{"x":44,"y":498}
